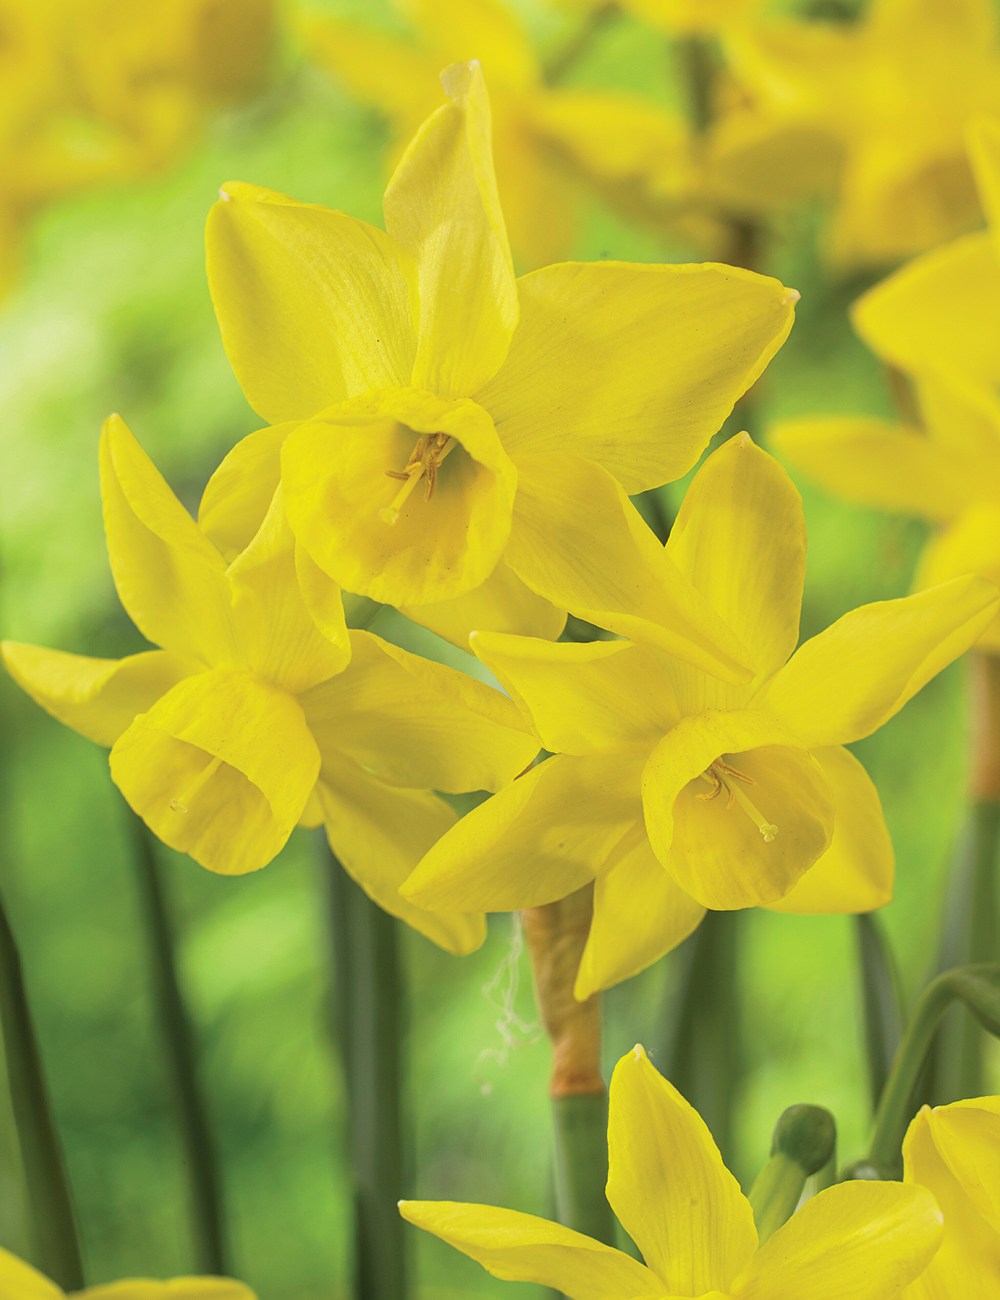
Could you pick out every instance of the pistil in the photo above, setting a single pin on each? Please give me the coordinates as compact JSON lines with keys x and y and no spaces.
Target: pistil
{"x":182,"y":803}
{"x":424,"y":462}
{"x":719,"y":776}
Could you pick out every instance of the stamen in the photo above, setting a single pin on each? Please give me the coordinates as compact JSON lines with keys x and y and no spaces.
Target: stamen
{"x":181,"y":804}
{"x":424,"y":462}
{"x":717,"y":781}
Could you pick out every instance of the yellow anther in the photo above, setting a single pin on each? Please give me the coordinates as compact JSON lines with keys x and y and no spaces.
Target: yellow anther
{"x":181,"y":804}
{"x":424,"y":462}
{"x":716,"y":776}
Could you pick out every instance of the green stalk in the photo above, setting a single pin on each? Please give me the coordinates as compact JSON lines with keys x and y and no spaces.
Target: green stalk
{"x":368,"y":1016}
{"x":580,"y":43}
{"x":883,"y":1016}
{"x":50,"y":1203}
{"x":804,"y":1142}
{"x":181,"y":1056}
{"x":581,"y":1160}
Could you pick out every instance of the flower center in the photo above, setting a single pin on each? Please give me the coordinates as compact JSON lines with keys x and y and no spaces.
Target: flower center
{"x":180,"y":804}
{"x":719,"y":776}
{"x":425,"y":459}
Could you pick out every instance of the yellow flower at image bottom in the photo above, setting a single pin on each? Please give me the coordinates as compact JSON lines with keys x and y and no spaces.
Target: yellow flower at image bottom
{"x":685,"y":1211}
{"x":19,"y":1281}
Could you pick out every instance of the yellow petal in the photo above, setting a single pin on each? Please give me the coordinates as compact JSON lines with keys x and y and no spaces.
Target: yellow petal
{"x":760,"y":832}
{"x":970,"y":544}
{"x":378,"y":68}
{"x":374,"y":534}
{"x":323,"y":599}
{"x":598,"y":697}
{"x":474,"y":28}
{"x":668,"y":1186}
{"x":849,"y":680}
{"x":968,"y":1139}
{"x":640,"y":913}
{"x":174,"y":1288}
{"x":442,"y":207}
{"x":170,"y":578}
{"x":577,"y":540}
{"x":579,"y":377}
{"x":522,"y":1248}
{"x":740,"y":540}
{"x":984,"y":149}
{"x":239,"y":493}
{"x":19,"y":1280}
{"x":540,"y":839}
{"x":963,"y":419}
{"x":415,"y":723}
{"x":221,"y":767}
{"x":314,"y":306}
{"x":876,"y":463}
{"x":99,"y":698}
{"x":501,"y":604}
{"x":858,"y":1239}
{"x":380,"y":833}
{"x":855,"y":874}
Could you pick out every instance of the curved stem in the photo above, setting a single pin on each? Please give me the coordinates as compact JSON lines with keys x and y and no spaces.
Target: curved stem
{"x":579,"y":45}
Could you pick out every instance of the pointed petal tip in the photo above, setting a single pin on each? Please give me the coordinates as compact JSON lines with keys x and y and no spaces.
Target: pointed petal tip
{"x":743,"y":439}
{"x":790,"y":297}
{"x":639,"y":1052}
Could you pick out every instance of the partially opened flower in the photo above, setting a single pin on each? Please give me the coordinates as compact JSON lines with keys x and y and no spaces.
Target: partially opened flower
{"x":19,"y":1281}
{"x":448,"y":432}
{"x":695,"y":1228}
{"x":248,"y":720}
{"x":676,"y":792}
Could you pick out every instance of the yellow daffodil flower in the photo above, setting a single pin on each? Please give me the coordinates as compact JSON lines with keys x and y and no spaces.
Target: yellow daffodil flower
{"x":19,"y":1281}
{"x":606,"y":135}
{"x":936,"y":320}
{"x":954,"y":1151}
{"x":466,"y":438}
{"x":893,"y":94}
{"x":676,"y":792}
{"x":248,"y":720}
{"x":685,"y":1211}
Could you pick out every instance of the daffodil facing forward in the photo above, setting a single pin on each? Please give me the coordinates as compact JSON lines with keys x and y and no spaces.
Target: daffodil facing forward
{"x":685,"y":1211}
{"x":248,"y":720}
{"x":460,"y":443}
{"x":676,"y":792}
{"x":19,"y":1281}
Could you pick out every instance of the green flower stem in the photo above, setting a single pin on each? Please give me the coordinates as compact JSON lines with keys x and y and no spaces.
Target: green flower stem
{"x":804,"y":1142}
{"x":883,"y":1017}
{"x":556,"y":935}
{"x":578,"y":46}
{"x":368,"y":1016}
{"x":698,"y":63}
{"x":181,"y":1056}
{"x":50,"y":1203}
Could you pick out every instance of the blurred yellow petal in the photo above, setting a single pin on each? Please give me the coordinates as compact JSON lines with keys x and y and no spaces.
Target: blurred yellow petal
{"x":858,"y":1239}
{"x":314,"y":306}
{"x":734,"y":809}
{"x":968,"y":1139}
{"x":441,"y":206}
{"x":539,"y":840}
{"x":221,"y":768}
{"x":668,"y":1186}
{"x":522,"y":1248}
{"x":174,"y":1288}
{"x":579,"y":377}
{"x":378,"y":68}
{"x":366,"y":498}
{"x":19,"y":1281}
{"x":850,"y":679}
{"x":984,"y":148}
{"x":501,"y":604}
{"x":379,"y":833}
{"x":577,"y":540}
{"x":477,"y":29}
{"x":99,"y":698}
{"x":601,"y":697}
{"x":970,"y":544}
{"x":412,"y":722}
{"x":855,"y":874}
{"x":640,"y":913}
{"x":239,"y":493}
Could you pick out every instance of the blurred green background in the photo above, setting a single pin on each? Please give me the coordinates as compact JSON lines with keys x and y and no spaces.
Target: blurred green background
{"x":113,"y":314}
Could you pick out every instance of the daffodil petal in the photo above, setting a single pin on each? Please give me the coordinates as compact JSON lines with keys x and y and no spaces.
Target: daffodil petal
{"x":174,"y":1288}
{"x":714,"y":846}
{"x":540,"y":839}
{"x":859,"y":1239}
{"x":239,"y":493}
{"x":856,"y":872}
{"x":969,"y":544}
{"x":598,"y":697}
{"x":984,"y":149}
{"x":850,"y":679}
{"x":579,"y":377}
{"x":478,"y":26}
{"x":640,"y":913}
{"x":232,"y":816}
{"x":968,"y":1139}
{"x":378,"y":68}
{"x":379,"y":833}
{"x":18,"y":1278}
{"x":500,"y":604}
{"x":522,"y":1248}
{"x":442,"y":207}
{"x":324,"y":600}
{"x":415,"y":723}
{"x":171,"y":579}
{"x":99,"y":698}
{"x":341,"y":476}
{"x":314,"y":306}
{"x":577,"y":540}
{"x":668,"y":1186}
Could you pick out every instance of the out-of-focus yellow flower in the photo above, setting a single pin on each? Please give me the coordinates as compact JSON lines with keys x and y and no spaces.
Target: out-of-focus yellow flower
{"x":19,"y":1281}
{"x":936,"y":319}
{"x":955,"y":1152}
{"x":695,"y":1228}
{"x":892,"y":95}
{"x":675,"y":791}
{"x":606,"y":135}
{"x":466,"y":438}
{"x":249,"y":720}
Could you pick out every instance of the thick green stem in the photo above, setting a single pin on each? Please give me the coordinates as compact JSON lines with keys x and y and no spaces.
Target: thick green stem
{"x":883,"y":1016}
{"x":181,"y":1055}
{"x":581,"y":1146}
{"x":50,"y":1204}
{"x":368,"y":1020}
{"x":579,"y":45}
